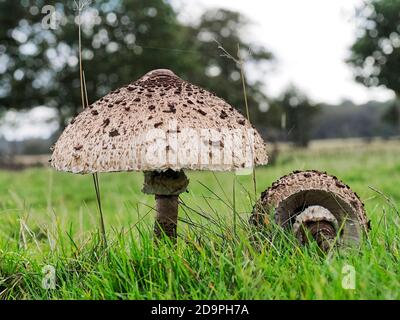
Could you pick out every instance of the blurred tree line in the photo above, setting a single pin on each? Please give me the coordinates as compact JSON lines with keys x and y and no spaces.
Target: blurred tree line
{"x":121,"y":41}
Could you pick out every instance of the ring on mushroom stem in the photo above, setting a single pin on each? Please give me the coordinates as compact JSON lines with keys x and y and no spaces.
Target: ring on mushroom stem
{"x":166,"y":186}
{"x":121,"y":131}
{"x":313,"y":205}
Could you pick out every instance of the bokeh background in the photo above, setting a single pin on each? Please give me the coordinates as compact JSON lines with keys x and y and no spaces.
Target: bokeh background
{"x":315,"y":71}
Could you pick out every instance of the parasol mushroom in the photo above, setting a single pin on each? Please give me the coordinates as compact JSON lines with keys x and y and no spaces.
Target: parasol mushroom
{"x":161,"y":125}
{"x":314,"y":205}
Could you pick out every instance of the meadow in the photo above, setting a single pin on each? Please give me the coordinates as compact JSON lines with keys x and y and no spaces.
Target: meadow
{"x":48,"y":218}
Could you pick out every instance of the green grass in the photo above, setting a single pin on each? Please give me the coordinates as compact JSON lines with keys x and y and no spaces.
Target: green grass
{"x":51,"y":218}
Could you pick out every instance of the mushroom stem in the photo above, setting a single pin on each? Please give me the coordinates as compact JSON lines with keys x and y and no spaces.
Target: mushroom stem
{"x":166,"y":186}
{"x":167,"y":216}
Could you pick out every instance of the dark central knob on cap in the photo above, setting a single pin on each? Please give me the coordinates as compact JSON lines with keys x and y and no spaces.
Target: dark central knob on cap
{"x":160,"y":72}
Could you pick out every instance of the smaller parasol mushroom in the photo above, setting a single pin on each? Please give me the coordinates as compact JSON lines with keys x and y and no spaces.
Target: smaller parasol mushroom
{"x":313,"y":205}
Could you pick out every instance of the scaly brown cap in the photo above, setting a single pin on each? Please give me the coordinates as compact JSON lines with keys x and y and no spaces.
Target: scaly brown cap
{"x":123,"y":131}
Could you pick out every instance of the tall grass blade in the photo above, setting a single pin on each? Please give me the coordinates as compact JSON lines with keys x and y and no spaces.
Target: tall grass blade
{"x":80,"y":5}
{"x":98,"y":198}
{"x":239,"y":61}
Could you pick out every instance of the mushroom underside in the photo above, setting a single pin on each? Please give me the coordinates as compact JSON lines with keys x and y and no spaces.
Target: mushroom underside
{"x":291,"y":207}
{"x":313,"y":205}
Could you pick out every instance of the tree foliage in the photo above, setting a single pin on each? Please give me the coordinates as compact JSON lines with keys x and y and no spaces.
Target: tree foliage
{"x":121,"y":40}
{"x":392,"y":115}
{"x":219,"y":31}
{"x":294,"y":114}
{"x":375,"y":55}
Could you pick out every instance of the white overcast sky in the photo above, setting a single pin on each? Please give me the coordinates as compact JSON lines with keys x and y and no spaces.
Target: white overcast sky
{"x":310,"y":40}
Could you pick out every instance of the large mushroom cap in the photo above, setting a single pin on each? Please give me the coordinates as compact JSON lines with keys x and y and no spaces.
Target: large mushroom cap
{"x":158,"y":122}
{"x":313,"y":196}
